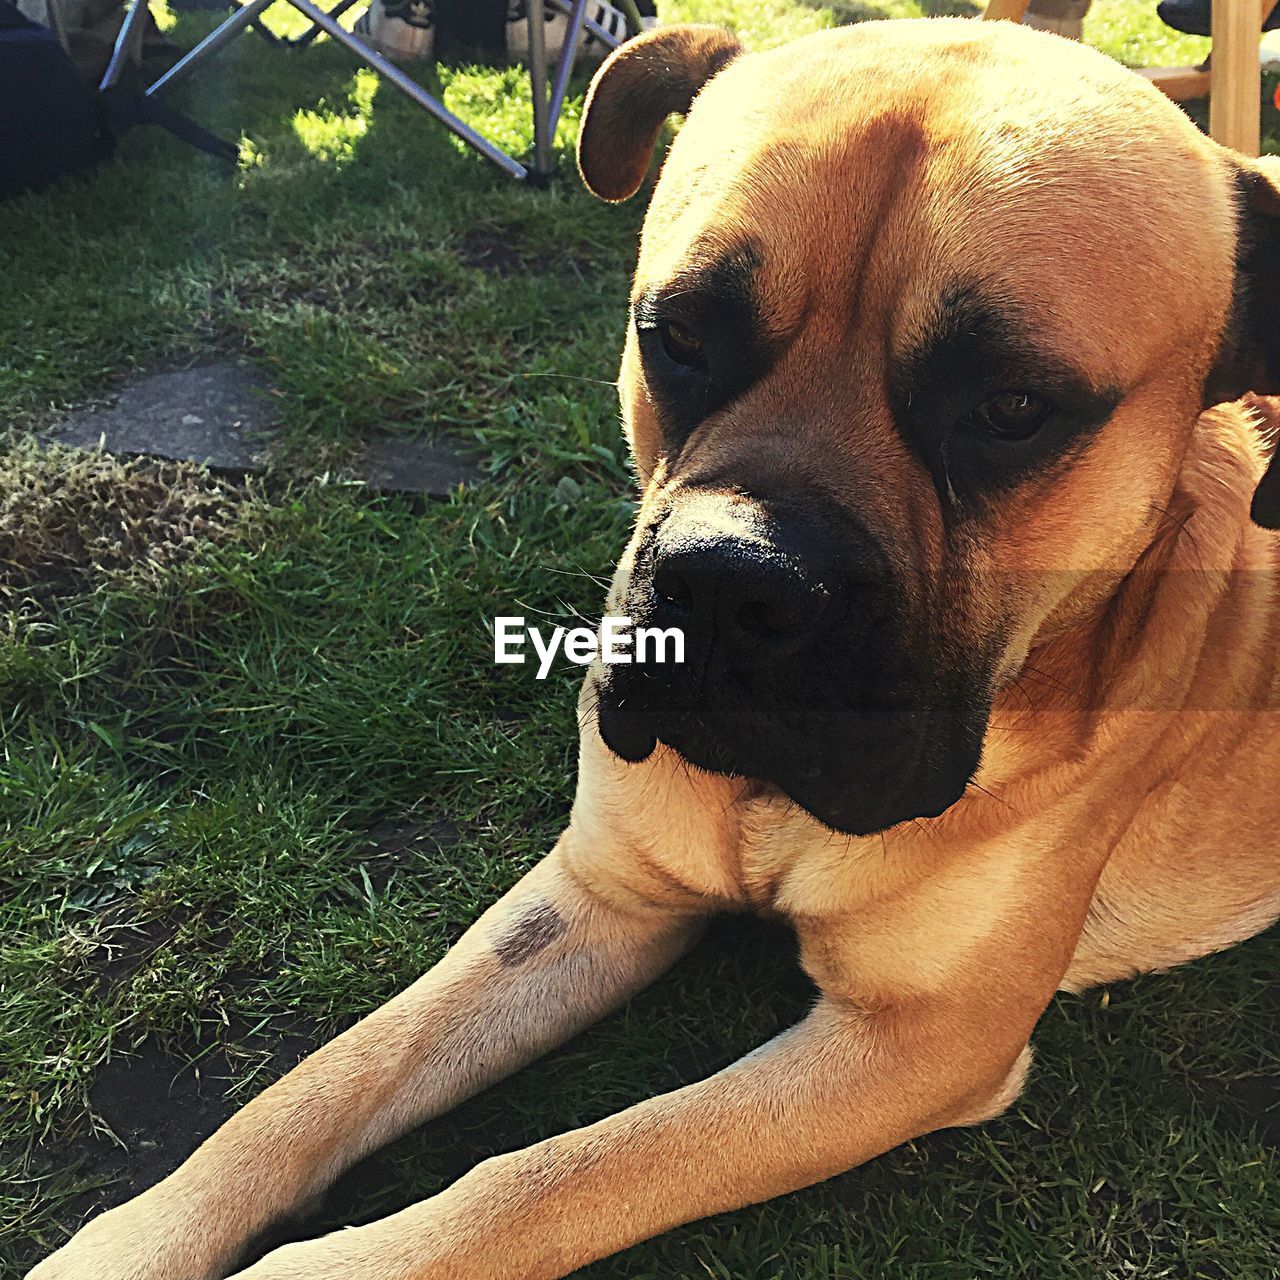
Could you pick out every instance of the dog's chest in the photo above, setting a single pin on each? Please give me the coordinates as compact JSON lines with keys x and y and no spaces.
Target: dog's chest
{"x":787,"y":864}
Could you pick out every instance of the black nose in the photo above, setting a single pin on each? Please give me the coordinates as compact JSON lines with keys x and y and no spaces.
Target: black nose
{"x":753,"y":586}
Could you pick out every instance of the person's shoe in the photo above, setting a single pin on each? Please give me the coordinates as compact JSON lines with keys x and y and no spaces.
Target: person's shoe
{"x":402,"y":30}
{"x":591,"y":49}
{"x":1195,"y":17}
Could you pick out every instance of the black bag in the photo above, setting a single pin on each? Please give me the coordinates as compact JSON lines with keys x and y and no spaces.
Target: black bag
{"x":53,"y":125}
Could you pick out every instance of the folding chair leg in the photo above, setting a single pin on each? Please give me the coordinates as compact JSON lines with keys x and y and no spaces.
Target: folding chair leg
{"x":564,"y":67}
{"x":128,"y":45}
{"x":264,"y":31}
{"x":410,"y":88}
{"x":606,"y":38}
{"x":546,"y":108}
{"x":301,"y":42}
{"x":538,"y":79}
{"x":544,"y":125}
{"x":210,"y":45}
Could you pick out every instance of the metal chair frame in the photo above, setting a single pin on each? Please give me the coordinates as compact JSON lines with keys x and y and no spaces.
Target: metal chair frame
{"x":546,"y":106}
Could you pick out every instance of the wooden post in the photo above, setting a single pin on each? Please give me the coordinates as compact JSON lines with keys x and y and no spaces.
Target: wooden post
{"x":1235,"y":99}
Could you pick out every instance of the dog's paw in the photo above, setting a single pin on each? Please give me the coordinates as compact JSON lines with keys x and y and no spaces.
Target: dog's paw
{"x":145,"y":1239}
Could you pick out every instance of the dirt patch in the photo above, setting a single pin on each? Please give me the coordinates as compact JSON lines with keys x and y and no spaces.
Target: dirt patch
{"x":1252,"y":1104}
{"x":1247,"y":1106}
{"x":486,"y":250}
{"x":495,"y":251}
{"x":396,"y":835}
{"x":1239,"y":1088}
{"x":392,"y":844}
{"x":154,"y":1109}
{"x":68,"y":517}
{"x":130,"y":947}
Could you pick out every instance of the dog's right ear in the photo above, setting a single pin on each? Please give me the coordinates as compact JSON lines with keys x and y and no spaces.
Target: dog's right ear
{"x":641,"y":83}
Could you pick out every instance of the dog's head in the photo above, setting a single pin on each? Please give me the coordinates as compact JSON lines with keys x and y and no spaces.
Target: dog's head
{"x":924,"y":317}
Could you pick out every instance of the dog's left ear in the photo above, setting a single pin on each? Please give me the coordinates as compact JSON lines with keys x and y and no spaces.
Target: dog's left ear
{"x":1249,"y":358}
{"x":642,"y":83}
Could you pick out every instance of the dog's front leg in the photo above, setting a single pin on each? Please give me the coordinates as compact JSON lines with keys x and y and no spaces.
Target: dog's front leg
{"x":843,"y":1086}
{"x":894,"y":1049}
{"x":547,"y":960}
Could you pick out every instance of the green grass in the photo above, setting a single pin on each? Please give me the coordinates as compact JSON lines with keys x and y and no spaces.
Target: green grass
{"x":259,"y":772}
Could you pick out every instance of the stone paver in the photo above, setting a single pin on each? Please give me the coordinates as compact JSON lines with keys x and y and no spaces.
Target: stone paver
{"x":224,"y":416}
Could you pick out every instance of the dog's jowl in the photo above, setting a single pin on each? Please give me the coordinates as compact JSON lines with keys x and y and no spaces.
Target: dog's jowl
{"x":980,"y":686}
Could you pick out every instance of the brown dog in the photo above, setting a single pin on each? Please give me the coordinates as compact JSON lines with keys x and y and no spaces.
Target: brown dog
{"x":981,"y":681}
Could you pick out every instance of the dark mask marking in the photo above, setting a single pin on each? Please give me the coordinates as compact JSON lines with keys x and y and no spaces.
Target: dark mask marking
{"x":979,"y":349}
{"x":531,"y":932}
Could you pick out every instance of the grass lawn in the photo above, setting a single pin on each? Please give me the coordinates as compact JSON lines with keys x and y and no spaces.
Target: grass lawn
{"x":258,"y":770}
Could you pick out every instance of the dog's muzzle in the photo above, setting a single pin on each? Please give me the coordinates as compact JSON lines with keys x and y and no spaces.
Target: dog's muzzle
{"x":794,"y":671}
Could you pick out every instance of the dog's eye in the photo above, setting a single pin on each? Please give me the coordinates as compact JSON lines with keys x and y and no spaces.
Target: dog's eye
{"x":1013,"y":415}
{"x":682,"y":345}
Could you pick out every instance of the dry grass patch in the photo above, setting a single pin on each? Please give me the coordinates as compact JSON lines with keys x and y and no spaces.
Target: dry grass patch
{"x":70,"y":518}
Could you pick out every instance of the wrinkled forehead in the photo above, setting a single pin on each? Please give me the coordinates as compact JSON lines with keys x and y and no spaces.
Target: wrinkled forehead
{"x":903,"y":166}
